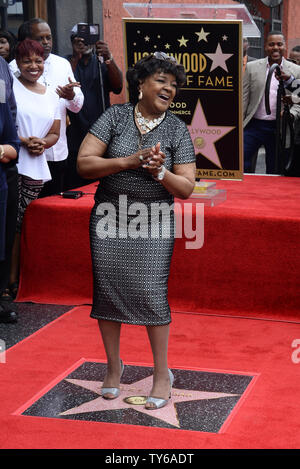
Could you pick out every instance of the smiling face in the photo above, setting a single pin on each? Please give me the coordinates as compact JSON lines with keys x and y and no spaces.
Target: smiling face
{"x":275,"y":48}
{"x":158,"y":91}
{"x":31,"y":67}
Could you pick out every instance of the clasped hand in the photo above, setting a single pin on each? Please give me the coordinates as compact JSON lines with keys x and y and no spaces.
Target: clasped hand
{"x":35,"y":145}
{"x":149,"y":158}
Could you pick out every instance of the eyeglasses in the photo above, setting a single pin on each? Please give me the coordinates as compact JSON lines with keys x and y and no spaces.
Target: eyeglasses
{"x":164,"y":56}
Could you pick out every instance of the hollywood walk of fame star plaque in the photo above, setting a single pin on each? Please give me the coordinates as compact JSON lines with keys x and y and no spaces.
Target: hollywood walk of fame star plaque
{"x":200,"y":400}
{"x":210,"y":101}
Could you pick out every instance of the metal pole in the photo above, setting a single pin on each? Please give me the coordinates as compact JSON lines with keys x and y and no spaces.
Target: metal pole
{"x":271,"y":18}
{"x":3,"y":12}
{"x":90,"y":11}
{"x":101,"y":83}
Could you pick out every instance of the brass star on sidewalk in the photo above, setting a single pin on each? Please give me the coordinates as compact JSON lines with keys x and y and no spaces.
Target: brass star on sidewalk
{"x":142,"y":387}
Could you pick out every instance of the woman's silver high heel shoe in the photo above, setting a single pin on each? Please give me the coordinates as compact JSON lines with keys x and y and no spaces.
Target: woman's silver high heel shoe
{"x":159,"y":403}
{"x":114,"y":391}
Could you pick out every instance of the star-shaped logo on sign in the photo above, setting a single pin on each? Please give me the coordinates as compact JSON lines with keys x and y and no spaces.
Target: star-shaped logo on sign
{"x":205,"y":136}
{"x":140,"y":389}
{"x":182,"y":41}
{"x":202,"y":35}
{"x":219,"y":59}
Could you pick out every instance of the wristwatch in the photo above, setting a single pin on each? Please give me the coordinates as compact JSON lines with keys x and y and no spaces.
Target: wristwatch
{"x":161,"y":173}
{"x":1,"y":152}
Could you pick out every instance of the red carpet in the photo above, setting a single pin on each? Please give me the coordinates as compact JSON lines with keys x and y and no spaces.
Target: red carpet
{"x":235,"y":306}
{"x":249,"y":263}
{"x":267,"y":417}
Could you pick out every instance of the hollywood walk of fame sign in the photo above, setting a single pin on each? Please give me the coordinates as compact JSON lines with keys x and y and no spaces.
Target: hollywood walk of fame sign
{"x":210,"y":102}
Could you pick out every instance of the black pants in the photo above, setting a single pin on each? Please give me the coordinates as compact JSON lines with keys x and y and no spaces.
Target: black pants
{"x":11,"y":222}
{"x":294,"y":169}
{"x":56,"y":185}
{"x":72,"y":178}
{"x":259,"y":133}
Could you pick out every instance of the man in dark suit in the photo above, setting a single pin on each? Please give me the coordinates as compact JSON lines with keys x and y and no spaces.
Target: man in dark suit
{"x":259,"y":127}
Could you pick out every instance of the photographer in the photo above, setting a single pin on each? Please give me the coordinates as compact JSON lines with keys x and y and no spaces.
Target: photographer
{"x":293,"y":85}
{"x":94,"y":67}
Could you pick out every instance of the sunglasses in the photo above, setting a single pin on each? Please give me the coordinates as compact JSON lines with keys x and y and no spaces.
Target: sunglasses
{"x":163,"y":56}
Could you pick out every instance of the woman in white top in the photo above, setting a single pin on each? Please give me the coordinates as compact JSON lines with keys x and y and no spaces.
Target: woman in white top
{"x":38,"y":124}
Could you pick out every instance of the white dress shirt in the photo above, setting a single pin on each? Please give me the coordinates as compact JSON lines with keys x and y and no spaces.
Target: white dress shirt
{"x":261,"y":110}
{"x":57,"y":71}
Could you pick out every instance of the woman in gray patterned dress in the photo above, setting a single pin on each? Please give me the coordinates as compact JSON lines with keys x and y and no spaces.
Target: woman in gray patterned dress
{"x":143,"y":156}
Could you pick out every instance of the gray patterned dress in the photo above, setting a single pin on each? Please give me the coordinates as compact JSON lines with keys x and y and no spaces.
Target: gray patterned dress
{"x":131,"y":238}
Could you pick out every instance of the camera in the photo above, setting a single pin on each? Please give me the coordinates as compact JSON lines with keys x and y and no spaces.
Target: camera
{"x":90,"y":33}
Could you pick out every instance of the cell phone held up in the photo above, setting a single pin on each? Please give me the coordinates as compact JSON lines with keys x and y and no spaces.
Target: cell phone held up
{"x":90,"y":33}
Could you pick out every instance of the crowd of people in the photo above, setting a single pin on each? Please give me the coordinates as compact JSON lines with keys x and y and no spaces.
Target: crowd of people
{"x":53,"y":101}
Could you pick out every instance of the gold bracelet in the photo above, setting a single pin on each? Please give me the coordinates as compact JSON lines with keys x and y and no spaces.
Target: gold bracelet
{"x":1,"y":152}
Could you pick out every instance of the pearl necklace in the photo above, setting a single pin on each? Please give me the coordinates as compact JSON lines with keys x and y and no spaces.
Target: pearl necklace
{"x":147,"y":124}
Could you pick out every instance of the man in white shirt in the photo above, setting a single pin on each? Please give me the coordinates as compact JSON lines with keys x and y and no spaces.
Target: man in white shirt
{"x":58,"y":75}
{"x":260,"y":127}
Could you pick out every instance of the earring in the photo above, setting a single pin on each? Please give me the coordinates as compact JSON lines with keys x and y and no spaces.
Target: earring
{"x":140,"y":95}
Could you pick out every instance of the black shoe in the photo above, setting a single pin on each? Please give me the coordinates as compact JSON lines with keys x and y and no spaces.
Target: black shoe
{"x":7,"y":315}
{"x":6,"y":297}
{"x":13,"y":289}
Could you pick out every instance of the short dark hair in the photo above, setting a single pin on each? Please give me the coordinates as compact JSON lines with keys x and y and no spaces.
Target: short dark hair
{"x":275,"y":33}
{"x":27,"y":47}
{"x":24,"y":31}
{"x":296,"y":49}
{"x":12,"y":40}
{"x":149,"y":65}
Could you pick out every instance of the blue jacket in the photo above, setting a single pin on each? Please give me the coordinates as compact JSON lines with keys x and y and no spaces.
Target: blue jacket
{"x":6,"y":75}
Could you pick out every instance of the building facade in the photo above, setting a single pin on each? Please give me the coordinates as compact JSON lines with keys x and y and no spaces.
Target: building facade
{"x":63,"y":14}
